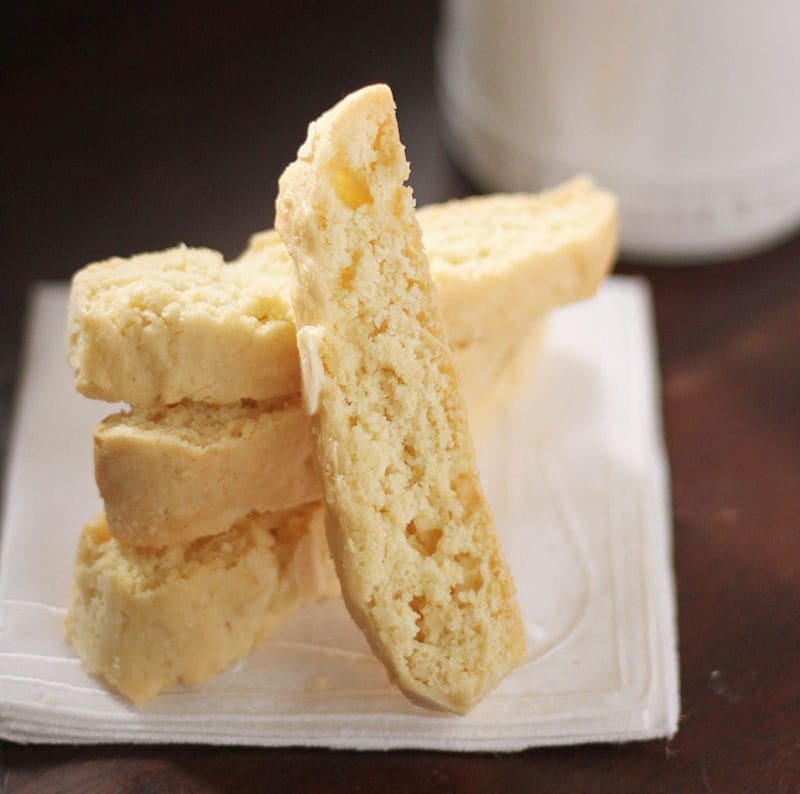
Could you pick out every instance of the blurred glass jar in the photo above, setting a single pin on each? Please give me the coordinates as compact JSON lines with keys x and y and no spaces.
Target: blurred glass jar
{"x":689,"y":110}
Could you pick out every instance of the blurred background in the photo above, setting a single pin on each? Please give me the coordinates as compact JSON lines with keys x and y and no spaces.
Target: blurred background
{"x":132,"y":127}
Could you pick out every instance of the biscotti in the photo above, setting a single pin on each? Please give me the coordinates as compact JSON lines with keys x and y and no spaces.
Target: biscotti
{"x":496,"y":368}
{"x":181,"y":324}
{"x":174,"y":473}
{"x":146,"y":619}
{"x":499,"y":261}
{"x":408,"y":525}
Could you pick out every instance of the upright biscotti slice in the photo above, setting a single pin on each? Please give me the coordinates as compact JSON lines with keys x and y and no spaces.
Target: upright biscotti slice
{"x":181,"y":324}
{"x":171,"y":474}
{"x":409,"y":528}
{"x":145,"y":619}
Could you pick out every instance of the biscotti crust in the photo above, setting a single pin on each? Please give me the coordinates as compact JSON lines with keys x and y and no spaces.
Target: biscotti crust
{"x":408,"y":525}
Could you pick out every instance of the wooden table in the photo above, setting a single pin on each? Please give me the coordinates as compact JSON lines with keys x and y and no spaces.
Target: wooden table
{"x":132,"y":130}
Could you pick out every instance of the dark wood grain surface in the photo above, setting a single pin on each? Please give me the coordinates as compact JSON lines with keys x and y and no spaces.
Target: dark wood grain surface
{"x":133,"y":127}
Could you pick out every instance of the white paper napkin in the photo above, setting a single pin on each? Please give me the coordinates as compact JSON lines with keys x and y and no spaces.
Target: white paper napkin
{"x":578,"y":481}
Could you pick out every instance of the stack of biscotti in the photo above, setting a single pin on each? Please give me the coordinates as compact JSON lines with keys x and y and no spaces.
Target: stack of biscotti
{"x":212,"y":531}
{"x":183,"y":580}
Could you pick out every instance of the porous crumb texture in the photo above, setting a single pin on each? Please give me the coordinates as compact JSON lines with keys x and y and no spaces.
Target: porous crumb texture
{"x":170,"y":474}
{"x":160,"y":327}
{"x":409,"y":528}
{"x":145,"y":619}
